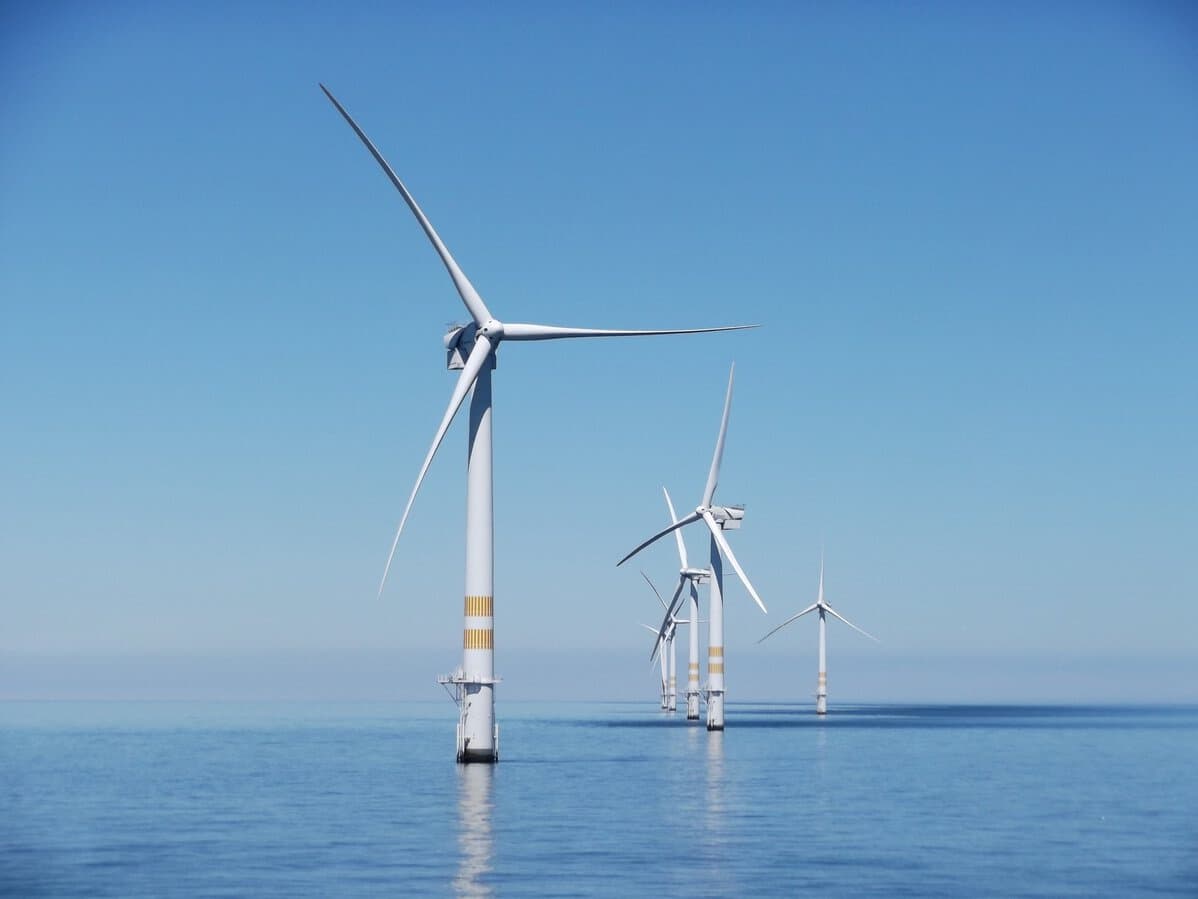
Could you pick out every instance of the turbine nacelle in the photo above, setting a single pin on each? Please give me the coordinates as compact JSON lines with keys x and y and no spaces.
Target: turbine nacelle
{"x":727,"y":517}
{"x":458,"y":343}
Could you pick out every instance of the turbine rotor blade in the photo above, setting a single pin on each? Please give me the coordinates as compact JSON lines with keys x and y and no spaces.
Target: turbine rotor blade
{"x":796,"y":617}
{"x":479,"y":357}
{"x":832,"y":611}
{"x":722,"y":542}
{"x":474,"y":303}
{"x":526,"y":331}
{"x":820,"y":597}
{"x":693,"y":516}
{"x":665,"y":622}
{"x":713,"y":475}
{"x":655,"y":590}
{"x":677,"y":534}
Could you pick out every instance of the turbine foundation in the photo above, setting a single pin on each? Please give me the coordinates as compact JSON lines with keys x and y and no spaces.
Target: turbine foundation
{"x":715,"y":710}
{"x":477,"y":732}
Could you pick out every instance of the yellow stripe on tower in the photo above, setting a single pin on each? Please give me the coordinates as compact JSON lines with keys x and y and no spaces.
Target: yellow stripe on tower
{"x":715,"y":651}
{"x":478,"y":638}
{"x":480,"y":606}
{"x":715,"y":667}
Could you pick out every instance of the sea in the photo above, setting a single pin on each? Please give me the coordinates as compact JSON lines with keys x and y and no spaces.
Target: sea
{"x":160,"y":799}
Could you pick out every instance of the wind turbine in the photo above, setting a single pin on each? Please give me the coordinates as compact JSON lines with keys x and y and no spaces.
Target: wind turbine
{"x":665,"y":682}
{"x":693,"y":577}
{"x":718,"y":519}
{"x":471,"y":350}
{"x":669,"y":656}
{"x":821,"y":606}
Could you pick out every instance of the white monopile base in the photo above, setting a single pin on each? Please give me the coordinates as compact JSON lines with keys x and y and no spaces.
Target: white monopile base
{"x":715,"y":710}
{"x":692,"y":706}
{"x":478,"y":734}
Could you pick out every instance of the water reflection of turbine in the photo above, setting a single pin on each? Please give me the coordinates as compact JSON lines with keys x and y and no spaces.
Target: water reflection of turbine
{"x":821,"y":790}
{"x":716,"y":855}
{"x":475,"y":842}
{"x":716,"y":779}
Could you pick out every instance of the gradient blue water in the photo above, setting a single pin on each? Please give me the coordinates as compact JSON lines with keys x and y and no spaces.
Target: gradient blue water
{"x":162,"y":799}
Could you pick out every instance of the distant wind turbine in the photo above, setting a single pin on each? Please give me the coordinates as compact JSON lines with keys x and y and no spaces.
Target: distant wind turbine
{"x":692,"y":577}
{"x":664,"y":665}
{"x":669,"y":657}
{"x":471,"y":350}
{"x":718,"y":519}
{"x":821,"y":688}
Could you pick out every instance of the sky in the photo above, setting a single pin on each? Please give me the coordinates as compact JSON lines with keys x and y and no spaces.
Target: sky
{"x":967,"y":232}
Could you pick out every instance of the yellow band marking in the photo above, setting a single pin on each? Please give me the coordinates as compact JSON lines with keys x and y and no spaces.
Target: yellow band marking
{"x":715,"y":667}
{"x":715,"y":651}
{"x":480,"y":606}
{"x":478,"y":638}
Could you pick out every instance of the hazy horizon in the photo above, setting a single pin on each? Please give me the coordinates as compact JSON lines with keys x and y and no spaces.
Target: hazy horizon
{"x":890,"y":676}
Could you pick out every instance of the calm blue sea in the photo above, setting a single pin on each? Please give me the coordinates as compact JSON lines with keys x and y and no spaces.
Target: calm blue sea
{"x":194,"y":799}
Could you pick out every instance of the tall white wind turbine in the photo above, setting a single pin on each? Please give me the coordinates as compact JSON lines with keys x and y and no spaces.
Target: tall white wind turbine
{"x":821,"y":606}
{"x":471,"y":350}
{"x":718,"y":519}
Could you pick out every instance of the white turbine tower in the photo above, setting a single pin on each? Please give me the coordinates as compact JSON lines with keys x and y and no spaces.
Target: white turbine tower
{"x":821,"y":688}
{"x":471,"y":349}
{"x":718,"y":519}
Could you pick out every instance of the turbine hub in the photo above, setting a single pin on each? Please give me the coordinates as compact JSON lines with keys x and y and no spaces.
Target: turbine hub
{"x":492,"y":330}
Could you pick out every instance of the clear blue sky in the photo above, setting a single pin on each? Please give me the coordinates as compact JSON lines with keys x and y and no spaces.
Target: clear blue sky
{"x":969,"y":232}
